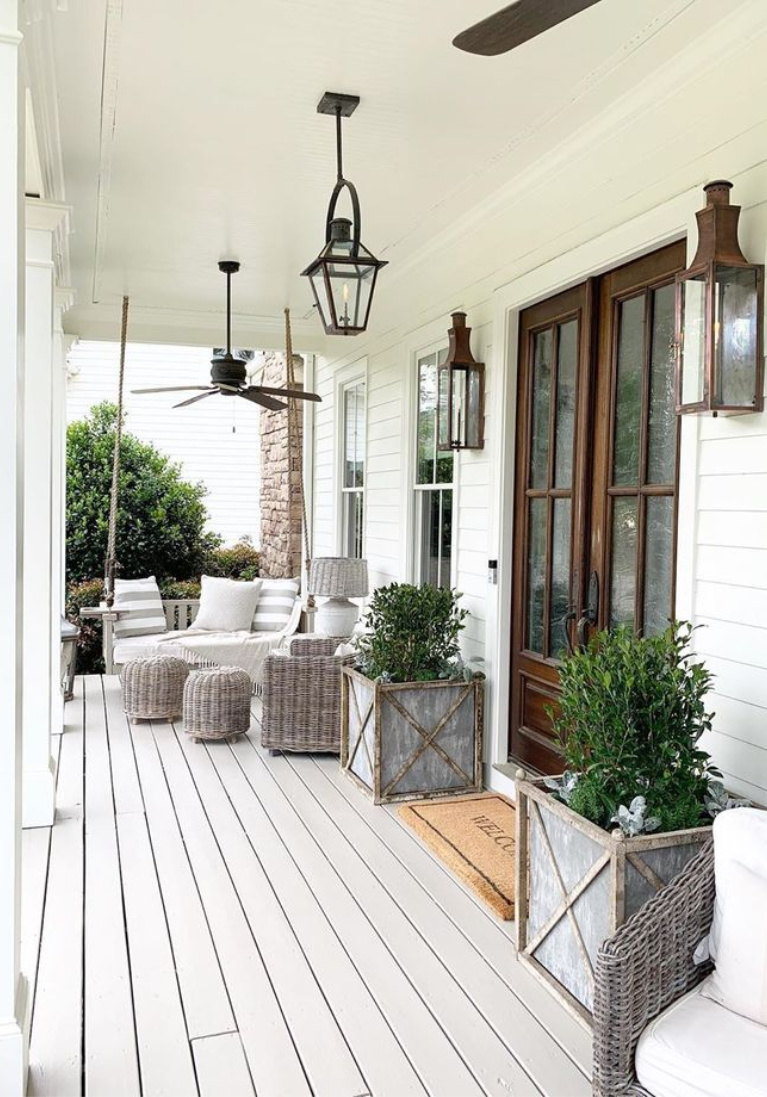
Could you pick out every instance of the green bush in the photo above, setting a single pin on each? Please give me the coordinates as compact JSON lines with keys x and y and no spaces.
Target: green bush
{"x":87,"y":593}
{"x":412,"y":633}
{"x":632,"y":713}
{"x":240,"y":561}
{"x":161,"y":518}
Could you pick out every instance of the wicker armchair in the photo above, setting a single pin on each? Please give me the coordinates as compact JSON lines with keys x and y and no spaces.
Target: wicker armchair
{"x":302,"y":696}
{"x":645,"y":967}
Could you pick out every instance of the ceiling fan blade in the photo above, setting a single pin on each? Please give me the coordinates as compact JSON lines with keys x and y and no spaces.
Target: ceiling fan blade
{"x":175,"y":388}
{"x":256,"y":397}
{"x":293,"y":394}
{"x":194,"y":399}
{"x":517,"y":23}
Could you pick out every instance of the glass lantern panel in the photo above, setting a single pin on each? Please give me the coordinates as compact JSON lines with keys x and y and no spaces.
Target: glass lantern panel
{"x":693,"y":348}
{"x":324,"y":302}
{"x":351,"y":288}
{"x":474,"y":409}
{"x":735,"y":341}
{"x":458,"y":410}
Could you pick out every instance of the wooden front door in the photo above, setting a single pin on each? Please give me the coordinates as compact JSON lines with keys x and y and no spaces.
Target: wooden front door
{"x":596,"y":469}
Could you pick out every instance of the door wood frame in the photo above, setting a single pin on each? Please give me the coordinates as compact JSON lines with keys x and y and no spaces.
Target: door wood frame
{"x":662,"y":225}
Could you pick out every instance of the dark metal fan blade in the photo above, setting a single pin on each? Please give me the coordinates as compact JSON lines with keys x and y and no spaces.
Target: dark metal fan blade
{"x":175,"y":388}
{"x":517,"y":23}
{"x":194,"y":399}
{"x":257,"y":397}
{"x":293,"y":394}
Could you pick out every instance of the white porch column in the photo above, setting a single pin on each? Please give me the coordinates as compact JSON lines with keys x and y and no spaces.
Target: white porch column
{"x":13,"y":996}
{"x":40,"y":670}
{"x":62,"y":300}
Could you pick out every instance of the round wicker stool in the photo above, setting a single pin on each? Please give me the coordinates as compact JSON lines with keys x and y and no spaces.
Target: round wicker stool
{"x":217,"y":704}
{"x":153,"y":689}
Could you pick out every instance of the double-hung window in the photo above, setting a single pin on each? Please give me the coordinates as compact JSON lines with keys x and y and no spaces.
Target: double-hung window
{"x":433,"y":485}
{"x":353,"y":470}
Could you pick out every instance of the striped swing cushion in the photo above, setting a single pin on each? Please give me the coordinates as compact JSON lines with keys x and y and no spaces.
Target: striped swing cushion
{"x":140,"y":606}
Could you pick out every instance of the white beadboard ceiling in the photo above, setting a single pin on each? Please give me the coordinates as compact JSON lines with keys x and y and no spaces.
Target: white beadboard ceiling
{"x":189,"y":133}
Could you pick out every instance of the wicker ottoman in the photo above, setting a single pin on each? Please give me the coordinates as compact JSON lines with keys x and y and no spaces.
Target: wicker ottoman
{"x":217,"y":704}
{"x":153,"y":689}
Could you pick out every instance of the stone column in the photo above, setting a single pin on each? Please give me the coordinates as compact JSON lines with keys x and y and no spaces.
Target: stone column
{"x":13,"y":990}
{"x":281,"y":467}
{"x":40,"y":666}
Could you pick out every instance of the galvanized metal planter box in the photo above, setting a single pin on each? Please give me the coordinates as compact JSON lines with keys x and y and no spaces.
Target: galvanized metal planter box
{"x":411,"y":740}
{"x":578,"y":884}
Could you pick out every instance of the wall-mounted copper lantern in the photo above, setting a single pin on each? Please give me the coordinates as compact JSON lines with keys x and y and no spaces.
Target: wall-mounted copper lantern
{"x":720,"y":317}
{"x":343,"y":276}
{"x":461,"y":397}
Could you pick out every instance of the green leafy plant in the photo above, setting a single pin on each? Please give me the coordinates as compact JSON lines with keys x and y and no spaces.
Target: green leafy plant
{"x":239,"y":561}
{"x":632,"y":711}
{"x":161,"y":518}
{"x":412,"y":634}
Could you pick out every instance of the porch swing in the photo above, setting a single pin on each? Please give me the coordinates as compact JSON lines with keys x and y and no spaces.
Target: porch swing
{"x":137,"y":622}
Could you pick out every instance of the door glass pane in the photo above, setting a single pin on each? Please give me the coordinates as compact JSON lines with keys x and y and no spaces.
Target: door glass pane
{"x":565,"y":420}
{"x":659,"y":549}
{"x":628,"y":397}
{"x":539,"y":444}
{"x":623,"y":565}
{"x":559,"y":600}
{"x":536,"y":574}
{"x":736,"y":341}
{"x":661,"y":427}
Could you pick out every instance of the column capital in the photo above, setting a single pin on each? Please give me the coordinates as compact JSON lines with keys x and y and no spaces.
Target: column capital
{"x":49,"y":216}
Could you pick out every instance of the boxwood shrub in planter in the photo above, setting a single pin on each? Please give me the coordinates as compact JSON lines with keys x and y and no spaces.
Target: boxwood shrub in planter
{"x":412,"y":710}
{"x":632,"y":807}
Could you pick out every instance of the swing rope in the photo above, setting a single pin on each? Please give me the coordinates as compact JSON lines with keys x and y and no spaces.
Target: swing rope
{"x":111,"y":565}
{"x":293,"y":433}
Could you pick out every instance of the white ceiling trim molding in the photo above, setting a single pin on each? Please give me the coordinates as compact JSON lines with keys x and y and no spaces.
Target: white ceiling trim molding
{"x":734,"y":31}
{"x":110,"y":82}
{"x":53,"y":217}
{"x":39,"y":67}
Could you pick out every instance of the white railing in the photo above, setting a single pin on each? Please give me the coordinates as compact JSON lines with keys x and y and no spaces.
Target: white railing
{"x":180,"y":612}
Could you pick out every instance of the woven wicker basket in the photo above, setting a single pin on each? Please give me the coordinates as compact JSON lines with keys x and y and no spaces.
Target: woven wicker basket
{"x":153,"y":689}
{"x":217,"y":704}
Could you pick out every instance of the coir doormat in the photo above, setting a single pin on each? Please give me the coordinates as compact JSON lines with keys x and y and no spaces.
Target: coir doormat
{"x":474,"y":836}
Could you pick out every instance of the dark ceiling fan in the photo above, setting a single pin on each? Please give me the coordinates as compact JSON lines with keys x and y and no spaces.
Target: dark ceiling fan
{"x":517,"y":23}
{"x":228,"y":373}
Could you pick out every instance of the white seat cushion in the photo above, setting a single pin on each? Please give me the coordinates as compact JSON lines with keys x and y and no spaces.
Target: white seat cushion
{"x":140,"y":647}
{"x":697,"y":1048}
{"x":227,"y":605}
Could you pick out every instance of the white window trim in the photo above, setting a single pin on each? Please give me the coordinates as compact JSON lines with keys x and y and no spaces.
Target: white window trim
{"x":347,"y":378}
{"x":413,"y":564}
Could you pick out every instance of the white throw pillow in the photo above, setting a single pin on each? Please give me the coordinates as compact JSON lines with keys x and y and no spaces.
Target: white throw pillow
{"x":275,"y":604}
{"x":740,"y":980}
{"x":227,"y":605}
{"x":140,"y":605}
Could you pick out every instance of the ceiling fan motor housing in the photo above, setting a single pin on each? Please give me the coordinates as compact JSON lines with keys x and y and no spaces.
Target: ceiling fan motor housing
{"x":228,"y":371}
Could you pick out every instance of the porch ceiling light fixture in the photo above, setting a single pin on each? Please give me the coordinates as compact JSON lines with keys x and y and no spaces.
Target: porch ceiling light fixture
{"x":461,"y":392}
{"x":343,"y":276}
{"x":720,"y":317}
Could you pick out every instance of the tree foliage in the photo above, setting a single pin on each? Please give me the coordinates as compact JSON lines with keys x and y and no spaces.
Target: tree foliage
{"x":161,"y":517}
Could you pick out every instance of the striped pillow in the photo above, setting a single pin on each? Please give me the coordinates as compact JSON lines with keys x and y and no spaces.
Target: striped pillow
{"x":140,"y":605}
{"x":275,"y":604}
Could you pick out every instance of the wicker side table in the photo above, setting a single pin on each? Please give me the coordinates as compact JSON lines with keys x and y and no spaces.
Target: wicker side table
{"x":153,"y":689}
{"x":217,"y":704}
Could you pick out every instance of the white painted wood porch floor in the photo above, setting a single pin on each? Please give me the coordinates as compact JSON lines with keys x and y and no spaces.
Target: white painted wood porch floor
{"x":213,"y":920}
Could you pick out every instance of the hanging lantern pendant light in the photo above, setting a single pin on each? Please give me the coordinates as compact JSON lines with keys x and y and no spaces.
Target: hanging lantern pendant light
{"x":343,"y":276}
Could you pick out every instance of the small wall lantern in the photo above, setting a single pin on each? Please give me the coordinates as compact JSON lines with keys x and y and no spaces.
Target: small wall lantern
{"x":344,"y":274}
{"x":720,"y":317}
{"x":461,"y":392}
